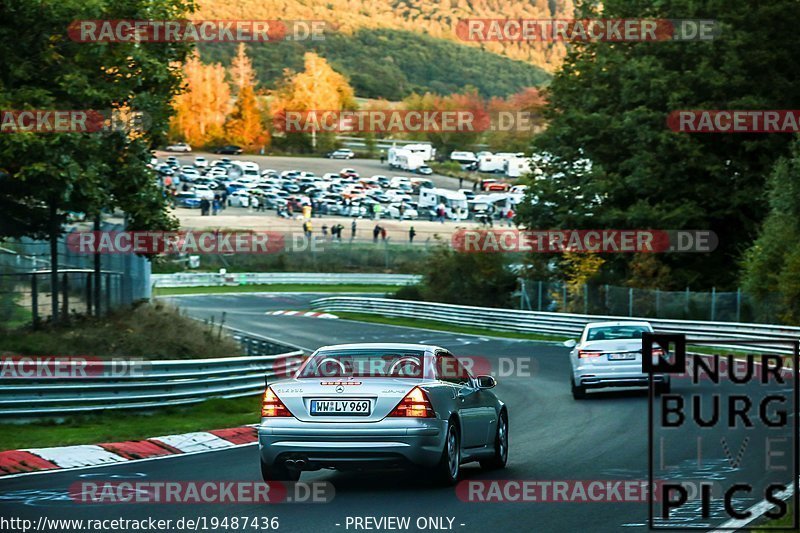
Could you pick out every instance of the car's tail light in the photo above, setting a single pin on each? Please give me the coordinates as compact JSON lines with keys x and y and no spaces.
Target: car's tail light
{"x":585,"y":354}
{"x":415,"y":405}
{"x":272,"y":406}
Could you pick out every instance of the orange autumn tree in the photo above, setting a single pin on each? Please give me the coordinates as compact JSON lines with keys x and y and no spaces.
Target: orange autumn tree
{"x":201,"y":109}
{"x":245,"y":125}
{"x":317,"y":87}
{"x":517,"y":120}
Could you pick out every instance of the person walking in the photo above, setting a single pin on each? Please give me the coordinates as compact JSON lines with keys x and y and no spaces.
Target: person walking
{"x":375,"y":233}
{"x":510,"y":217}
{"x":353,"y":230}
{"x":411,"y":234}
{"x":383,"y":234}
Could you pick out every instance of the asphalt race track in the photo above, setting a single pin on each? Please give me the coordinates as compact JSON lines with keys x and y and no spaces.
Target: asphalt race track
{"x":552,"y":437}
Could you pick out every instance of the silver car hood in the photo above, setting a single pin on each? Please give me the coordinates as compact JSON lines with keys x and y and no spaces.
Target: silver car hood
{"x":383,"y":393}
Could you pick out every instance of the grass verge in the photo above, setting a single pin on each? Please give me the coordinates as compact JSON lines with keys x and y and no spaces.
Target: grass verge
{"x":116,"y":426}
{"x":444,"y":326}
{"x":167,"y":291}
{"x":146,"y":331}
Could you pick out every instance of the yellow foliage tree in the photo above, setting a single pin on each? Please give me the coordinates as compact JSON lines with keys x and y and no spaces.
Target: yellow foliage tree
{"x":578,"y":269}
{"x":201,"y":109}
{"x":318,"y":87}
{"x":241,"y":70}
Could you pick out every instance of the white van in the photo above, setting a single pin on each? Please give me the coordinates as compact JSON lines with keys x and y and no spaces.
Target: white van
{"x":463,"y":157}
{"x":427,"y":151}
{"x":247,"y":169}
{"x":455,"y":203}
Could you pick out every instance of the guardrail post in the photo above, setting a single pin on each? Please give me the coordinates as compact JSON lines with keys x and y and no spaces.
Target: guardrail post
{"x":35,"y":300}
{"x":658,"y":303}
{"x":65,"y":297}
{"x":738,"y":304}
{"x":89,"y":294}
{"x":713,"y":303}
{"x":686,"y":305}
{"x":585,"y":298}
{"x":540,"y":296}
{"x":630,"y":301}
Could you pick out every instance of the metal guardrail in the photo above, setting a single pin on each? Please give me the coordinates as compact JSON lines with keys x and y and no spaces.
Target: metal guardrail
{"x":560,"y":324}
{"x":210,"y":279}
{"x":153,"y":384}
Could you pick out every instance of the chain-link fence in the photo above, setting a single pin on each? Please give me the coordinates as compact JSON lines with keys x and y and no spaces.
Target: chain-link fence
{"x":599,"y":299}
{"x":26,"y":283}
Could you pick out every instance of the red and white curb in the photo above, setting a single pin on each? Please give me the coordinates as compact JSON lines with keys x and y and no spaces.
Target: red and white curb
{"x":312,"y":314}
{"x":15,"y":462}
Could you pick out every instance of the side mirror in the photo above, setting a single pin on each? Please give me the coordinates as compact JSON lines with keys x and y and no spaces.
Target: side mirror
{"x":486,"y":382}
{"x":571,"y":343}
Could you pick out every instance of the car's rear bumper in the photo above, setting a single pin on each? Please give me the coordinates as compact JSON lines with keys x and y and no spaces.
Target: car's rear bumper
{"x":337,"y":445}
{"x":595,"y":377}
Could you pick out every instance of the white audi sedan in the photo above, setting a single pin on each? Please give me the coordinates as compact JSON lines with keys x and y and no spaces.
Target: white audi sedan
{"x":609,"y":354}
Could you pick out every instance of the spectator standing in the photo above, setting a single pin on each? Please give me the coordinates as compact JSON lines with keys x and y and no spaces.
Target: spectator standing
{"x":353,"y":230}
{"x":383,"y":234}
{"x":375,"y":233}
{"x":411,"y":234}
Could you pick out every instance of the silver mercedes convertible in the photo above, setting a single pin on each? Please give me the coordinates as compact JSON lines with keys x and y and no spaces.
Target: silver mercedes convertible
{"x":363,"y":406}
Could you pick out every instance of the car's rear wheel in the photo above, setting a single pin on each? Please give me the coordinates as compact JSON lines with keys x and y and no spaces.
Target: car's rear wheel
{"x":578,"y":391}
{"x":278,"y":472}
{"x":449,"y":467}
{"x":500,"y":457}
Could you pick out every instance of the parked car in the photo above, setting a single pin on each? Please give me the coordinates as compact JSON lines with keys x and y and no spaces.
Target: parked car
{"x":348,"y":173}
{"x":178,"y":147}
{"x":200,"y":162}
{"x":341,"y":153}
{"x":187,"y":199}
{"x":425,"y":170}
{"x":409,"y":212}
{"x":239,"y":198}
{"x":230,"y":149}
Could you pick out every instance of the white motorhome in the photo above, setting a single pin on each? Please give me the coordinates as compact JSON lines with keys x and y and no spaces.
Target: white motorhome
{"x":491,"y":163}
{"x":463,"y":157}
{"x":397,"y":156}
{"x":410,"y":161}
{"x":517,"y":166}
{"x":427,"y":151}
{"x":454,"y":202}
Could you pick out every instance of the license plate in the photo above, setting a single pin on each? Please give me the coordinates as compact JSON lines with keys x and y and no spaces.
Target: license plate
{"x":621,"y":356}
{"x":340,"y":407}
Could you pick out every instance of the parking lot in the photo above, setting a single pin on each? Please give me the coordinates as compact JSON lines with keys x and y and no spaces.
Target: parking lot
{"x":383,"y":212}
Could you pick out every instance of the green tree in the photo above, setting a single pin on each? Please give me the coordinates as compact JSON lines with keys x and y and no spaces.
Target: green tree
{"x":45,"y":176}
{"x":609,"y":103}
{"x":771,"y":266}
{"x":481,"y":279}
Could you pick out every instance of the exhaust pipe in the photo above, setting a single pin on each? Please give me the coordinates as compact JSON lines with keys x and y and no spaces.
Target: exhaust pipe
{"x":295,"y":463}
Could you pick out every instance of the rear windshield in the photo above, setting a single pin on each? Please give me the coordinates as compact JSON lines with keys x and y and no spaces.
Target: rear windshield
{"x":364,"y":363}
{"x":616,"y":332}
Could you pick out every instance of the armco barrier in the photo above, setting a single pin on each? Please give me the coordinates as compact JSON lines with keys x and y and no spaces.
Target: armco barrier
{"x":210,"y":279}
{"x":160,"y":383}
{"x":560,"y":324}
